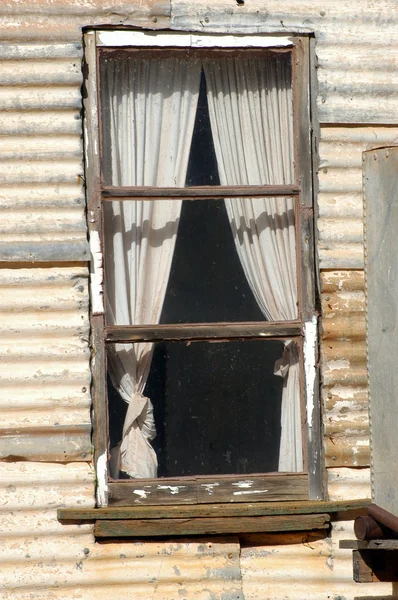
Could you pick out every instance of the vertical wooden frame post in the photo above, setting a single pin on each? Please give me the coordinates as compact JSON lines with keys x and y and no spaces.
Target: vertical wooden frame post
{"x":94,"y":217}
{"x":306,"y":250}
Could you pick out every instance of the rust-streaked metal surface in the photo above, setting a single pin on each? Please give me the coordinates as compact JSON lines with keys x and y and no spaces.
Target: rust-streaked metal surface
{"x":340,"y":205}
{"x":304,"y":569}
{"x":356,"y":56}
{"x":343,"y":355}
{"x":40,"y":558}
{"x":44,"y":364}
{"x":41,"y":157}
{"x":62,"y":20}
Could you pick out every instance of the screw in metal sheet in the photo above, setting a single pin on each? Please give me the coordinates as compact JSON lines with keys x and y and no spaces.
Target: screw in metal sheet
{"x":155,"y":19}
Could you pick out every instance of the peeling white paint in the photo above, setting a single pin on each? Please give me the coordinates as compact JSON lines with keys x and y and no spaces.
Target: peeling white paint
{"x":309,"y":348}
{"x":97,"y":274}
{"x":186,"y":40}
{"x":141,"y":493}
{"x":244,"y":484}
{"x":250,"y":492}
{"x":209,"y":487}
{"x":174,"y":489}
{"x":337,"y":365}
{"x":102,"y":481}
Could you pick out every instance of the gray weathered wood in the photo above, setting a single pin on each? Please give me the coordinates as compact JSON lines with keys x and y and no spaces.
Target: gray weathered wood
{"x":380,"y":169}
{"x":202,"y":331}
{"x":254,"y":509}
{"x":256,"y":488}
{"x":196,"y":193}
{"x":369,"y":544}
{"x":208,"y":526}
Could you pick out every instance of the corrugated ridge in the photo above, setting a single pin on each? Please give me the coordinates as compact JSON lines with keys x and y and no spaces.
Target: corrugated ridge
{"x":44,"y":367}
{"x":340,"y":222}
{"x":344,"y":392}
{"x":41,"y":150}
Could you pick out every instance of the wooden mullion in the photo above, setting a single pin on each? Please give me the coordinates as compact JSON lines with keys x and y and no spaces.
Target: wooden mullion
{"x":110,"y":193}
{"x":202,"y":332}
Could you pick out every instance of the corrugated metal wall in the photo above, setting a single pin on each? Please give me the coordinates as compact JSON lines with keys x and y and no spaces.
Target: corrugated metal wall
{"x":44,"y":367}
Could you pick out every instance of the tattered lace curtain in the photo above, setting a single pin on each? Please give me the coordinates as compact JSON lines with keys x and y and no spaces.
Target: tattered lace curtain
{"x":250,"y":106}
{"x":150,"y":107}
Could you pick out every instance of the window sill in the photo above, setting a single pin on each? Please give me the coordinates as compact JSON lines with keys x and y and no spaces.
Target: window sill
{"x":259,"y":517}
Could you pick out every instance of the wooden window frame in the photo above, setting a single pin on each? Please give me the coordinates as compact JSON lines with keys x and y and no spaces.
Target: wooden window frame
{"x":209,"y":489}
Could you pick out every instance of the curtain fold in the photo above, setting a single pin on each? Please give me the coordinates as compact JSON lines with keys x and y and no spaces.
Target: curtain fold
{"x":251,"y":116}
{"x":150,"y":107}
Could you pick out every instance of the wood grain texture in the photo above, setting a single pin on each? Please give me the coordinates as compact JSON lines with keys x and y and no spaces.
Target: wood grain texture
{"x":241,"y":509}
{"x":369,"y":544}
{"x":196,"y":193}
{"x":202,"y":331}
{"x":203,"y":490}
{"x":205,"y":526}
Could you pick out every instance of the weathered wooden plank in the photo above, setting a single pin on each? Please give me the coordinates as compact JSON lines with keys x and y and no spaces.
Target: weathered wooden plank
{"x":255,"y":509}
{"x":202,"y":331}
{"x":370,"y":566}
{"x":369,"y":544}
{"x":380,"y":169}
{"x":272,"y":487}
{"x":208,"y":526}
{"x":196,"y":193}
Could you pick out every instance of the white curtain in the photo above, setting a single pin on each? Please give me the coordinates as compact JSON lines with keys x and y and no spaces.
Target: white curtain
{"x":150,"y":107}
{"x":250,"y":105}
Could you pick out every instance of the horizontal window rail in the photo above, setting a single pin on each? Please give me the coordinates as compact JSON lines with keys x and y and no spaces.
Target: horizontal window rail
{"x":202,"y":331}
{"x":197,"y":193}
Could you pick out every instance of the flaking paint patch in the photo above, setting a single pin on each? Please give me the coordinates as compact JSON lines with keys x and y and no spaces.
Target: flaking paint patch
{"x":337,"y":365}
{"x":97,"y":274}
{"x":102,"y":484}
{"x":141,"y":493}
{"x":209,"y":487}
{"x":245,"y":492}
{"x":244,"y":484}
{"x":174,"y":489}
{"x":309,"y":348}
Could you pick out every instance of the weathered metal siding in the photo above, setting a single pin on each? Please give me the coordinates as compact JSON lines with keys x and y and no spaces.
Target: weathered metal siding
{"x":44,"y":397}
{"x":357,"y":63}
{"x":340,"y":204}
{"x":44,"y":364}
{"x":41,"y":169}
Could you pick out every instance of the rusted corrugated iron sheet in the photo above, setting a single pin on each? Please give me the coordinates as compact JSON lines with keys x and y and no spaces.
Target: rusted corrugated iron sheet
{"x":343,"y":352}
{"x":41,"y":168}
{"x":44,"y":364}
{"x":340,"y":204}
{"x":62,"y":20}
{"x":41,"y":558}
{"x":357,"y":63}
{"x":304,"y":569}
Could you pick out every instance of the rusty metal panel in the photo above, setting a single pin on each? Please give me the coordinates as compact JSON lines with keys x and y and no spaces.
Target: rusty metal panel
{"x":357,"y":61}
{"x":343,"y":357}
{"x":380,"y":169}
{"x":44,"y":364}
{"x":340,"y":205}
{"x":42,"y":558}
{"x":303,"y":568}
{"x":41,"y":170}
{"x":63,"y":20}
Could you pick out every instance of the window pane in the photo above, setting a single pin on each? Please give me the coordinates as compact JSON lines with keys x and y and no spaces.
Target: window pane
{"x":171,"y":121}
{"x":217,"y":406}
{"x":200,"y":261}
